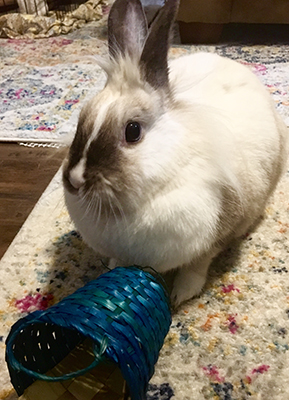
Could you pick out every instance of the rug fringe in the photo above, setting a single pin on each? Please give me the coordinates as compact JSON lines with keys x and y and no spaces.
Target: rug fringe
{"x":34,"y":142}
{"x":53,"y":145}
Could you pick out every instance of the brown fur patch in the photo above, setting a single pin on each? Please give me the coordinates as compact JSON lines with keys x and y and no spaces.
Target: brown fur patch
{"x":105,"y":159}
{"x":83,"y":132}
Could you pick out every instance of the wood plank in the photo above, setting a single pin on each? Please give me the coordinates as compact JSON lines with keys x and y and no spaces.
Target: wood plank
{"x":24,"y":174}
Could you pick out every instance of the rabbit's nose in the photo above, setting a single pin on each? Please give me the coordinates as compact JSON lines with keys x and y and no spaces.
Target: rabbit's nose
{"x":75,"y":181}
{"x":76,"y":177}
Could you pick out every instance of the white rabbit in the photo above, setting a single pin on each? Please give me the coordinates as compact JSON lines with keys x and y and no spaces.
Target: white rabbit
{"x":169,"y":163}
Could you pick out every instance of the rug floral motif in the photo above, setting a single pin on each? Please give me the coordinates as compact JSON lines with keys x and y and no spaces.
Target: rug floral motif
{"x":45,"y":82}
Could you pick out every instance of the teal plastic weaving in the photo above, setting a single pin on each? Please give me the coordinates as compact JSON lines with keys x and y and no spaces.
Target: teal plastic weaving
{"x":125,"y":312}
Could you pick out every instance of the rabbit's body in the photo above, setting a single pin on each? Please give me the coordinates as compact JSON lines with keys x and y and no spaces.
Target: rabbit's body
{"x":249,"y":138}
{"x":211,"y":152}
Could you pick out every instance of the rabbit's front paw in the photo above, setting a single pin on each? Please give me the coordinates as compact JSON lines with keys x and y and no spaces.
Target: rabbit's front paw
{"x":113,"y":263}
{"x":189,"y":282}
{"x":184,"y":288}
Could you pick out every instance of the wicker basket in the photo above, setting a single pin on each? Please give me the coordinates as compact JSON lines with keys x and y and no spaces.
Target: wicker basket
{"x":87,"y":346}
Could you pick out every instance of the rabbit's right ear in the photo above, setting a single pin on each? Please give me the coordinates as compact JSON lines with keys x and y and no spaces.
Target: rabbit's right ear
{"x":127,"y":28}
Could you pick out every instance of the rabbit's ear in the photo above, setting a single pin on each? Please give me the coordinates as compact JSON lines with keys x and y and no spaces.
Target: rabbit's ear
{"x":127,"y":28}
{"x":153,"y":60}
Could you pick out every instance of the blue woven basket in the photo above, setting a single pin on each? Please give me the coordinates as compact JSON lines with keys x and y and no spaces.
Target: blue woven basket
{"x":125,"y":312}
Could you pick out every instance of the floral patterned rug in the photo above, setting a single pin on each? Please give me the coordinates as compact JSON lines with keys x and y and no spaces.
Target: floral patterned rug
{"x":44,"y":82}
{"x":230,"y":343}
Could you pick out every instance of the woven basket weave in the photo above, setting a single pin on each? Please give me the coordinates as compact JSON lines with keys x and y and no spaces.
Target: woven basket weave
{"x":124,"y":314}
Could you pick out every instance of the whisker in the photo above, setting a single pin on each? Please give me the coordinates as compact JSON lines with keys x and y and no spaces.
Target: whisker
{"x":99,"y":211}
{"x":112,"y":209}
{"x":107,"y":212}
{"x":88,"y":202}
{"x":126,"y":225}
{"x":94,"y":203}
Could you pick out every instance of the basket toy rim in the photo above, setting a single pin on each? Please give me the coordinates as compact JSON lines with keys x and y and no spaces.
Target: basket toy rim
{"x":98,"y":352}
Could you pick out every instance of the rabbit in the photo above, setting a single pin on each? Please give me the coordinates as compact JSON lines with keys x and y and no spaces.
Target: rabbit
{"x":171,"y":160}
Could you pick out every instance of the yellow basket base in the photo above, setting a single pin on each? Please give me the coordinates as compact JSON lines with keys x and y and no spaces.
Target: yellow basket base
{"x":104,"y":382}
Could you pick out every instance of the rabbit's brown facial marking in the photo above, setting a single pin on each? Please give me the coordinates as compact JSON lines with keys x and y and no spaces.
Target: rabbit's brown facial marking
{"x":74,"y":165}
{"x":97,"y":163}
{"x":105,"y":161}
{"x":83,"y":132}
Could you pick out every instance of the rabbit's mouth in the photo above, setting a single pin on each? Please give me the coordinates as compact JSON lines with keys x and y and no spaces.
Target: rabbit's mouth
{"x":77,"y":181}
{"x":98,"y":197}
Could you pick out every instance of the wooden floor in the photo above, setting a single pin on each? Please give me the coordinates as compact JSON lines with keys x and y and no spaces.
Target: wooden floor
{"x":24,"y":174}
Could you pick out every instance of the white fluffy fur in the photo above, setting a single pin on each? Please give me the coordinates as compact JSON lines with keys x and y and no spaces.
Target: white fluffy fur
{"x":211,"y":156}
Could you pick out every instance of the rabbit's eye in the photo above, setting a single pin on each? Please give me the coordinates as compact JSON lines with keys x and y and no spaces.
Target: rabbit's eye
{"x":132,"y":132}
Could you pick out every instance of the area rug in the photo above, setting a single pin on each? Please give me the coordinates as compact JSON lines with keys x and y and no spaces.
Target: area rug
{"x":45,"y":82}
{"x":230,"y":343}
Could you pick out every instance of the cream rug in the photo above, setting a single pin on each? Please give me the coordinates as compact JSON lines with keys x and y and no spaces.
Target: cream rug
{"x":45,"y":82}
{"x":231,"y":343}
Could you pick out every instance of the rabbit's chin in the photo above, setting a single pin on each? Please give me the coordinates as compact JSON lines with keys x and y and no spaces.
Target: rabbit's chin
{"x":158,"y":237}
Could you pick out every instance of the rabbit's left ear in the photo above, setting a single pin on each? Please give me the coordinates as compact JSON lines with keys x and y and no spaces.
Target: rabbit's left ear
{"x":127,"y":28}
{"x":154,"y":58}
